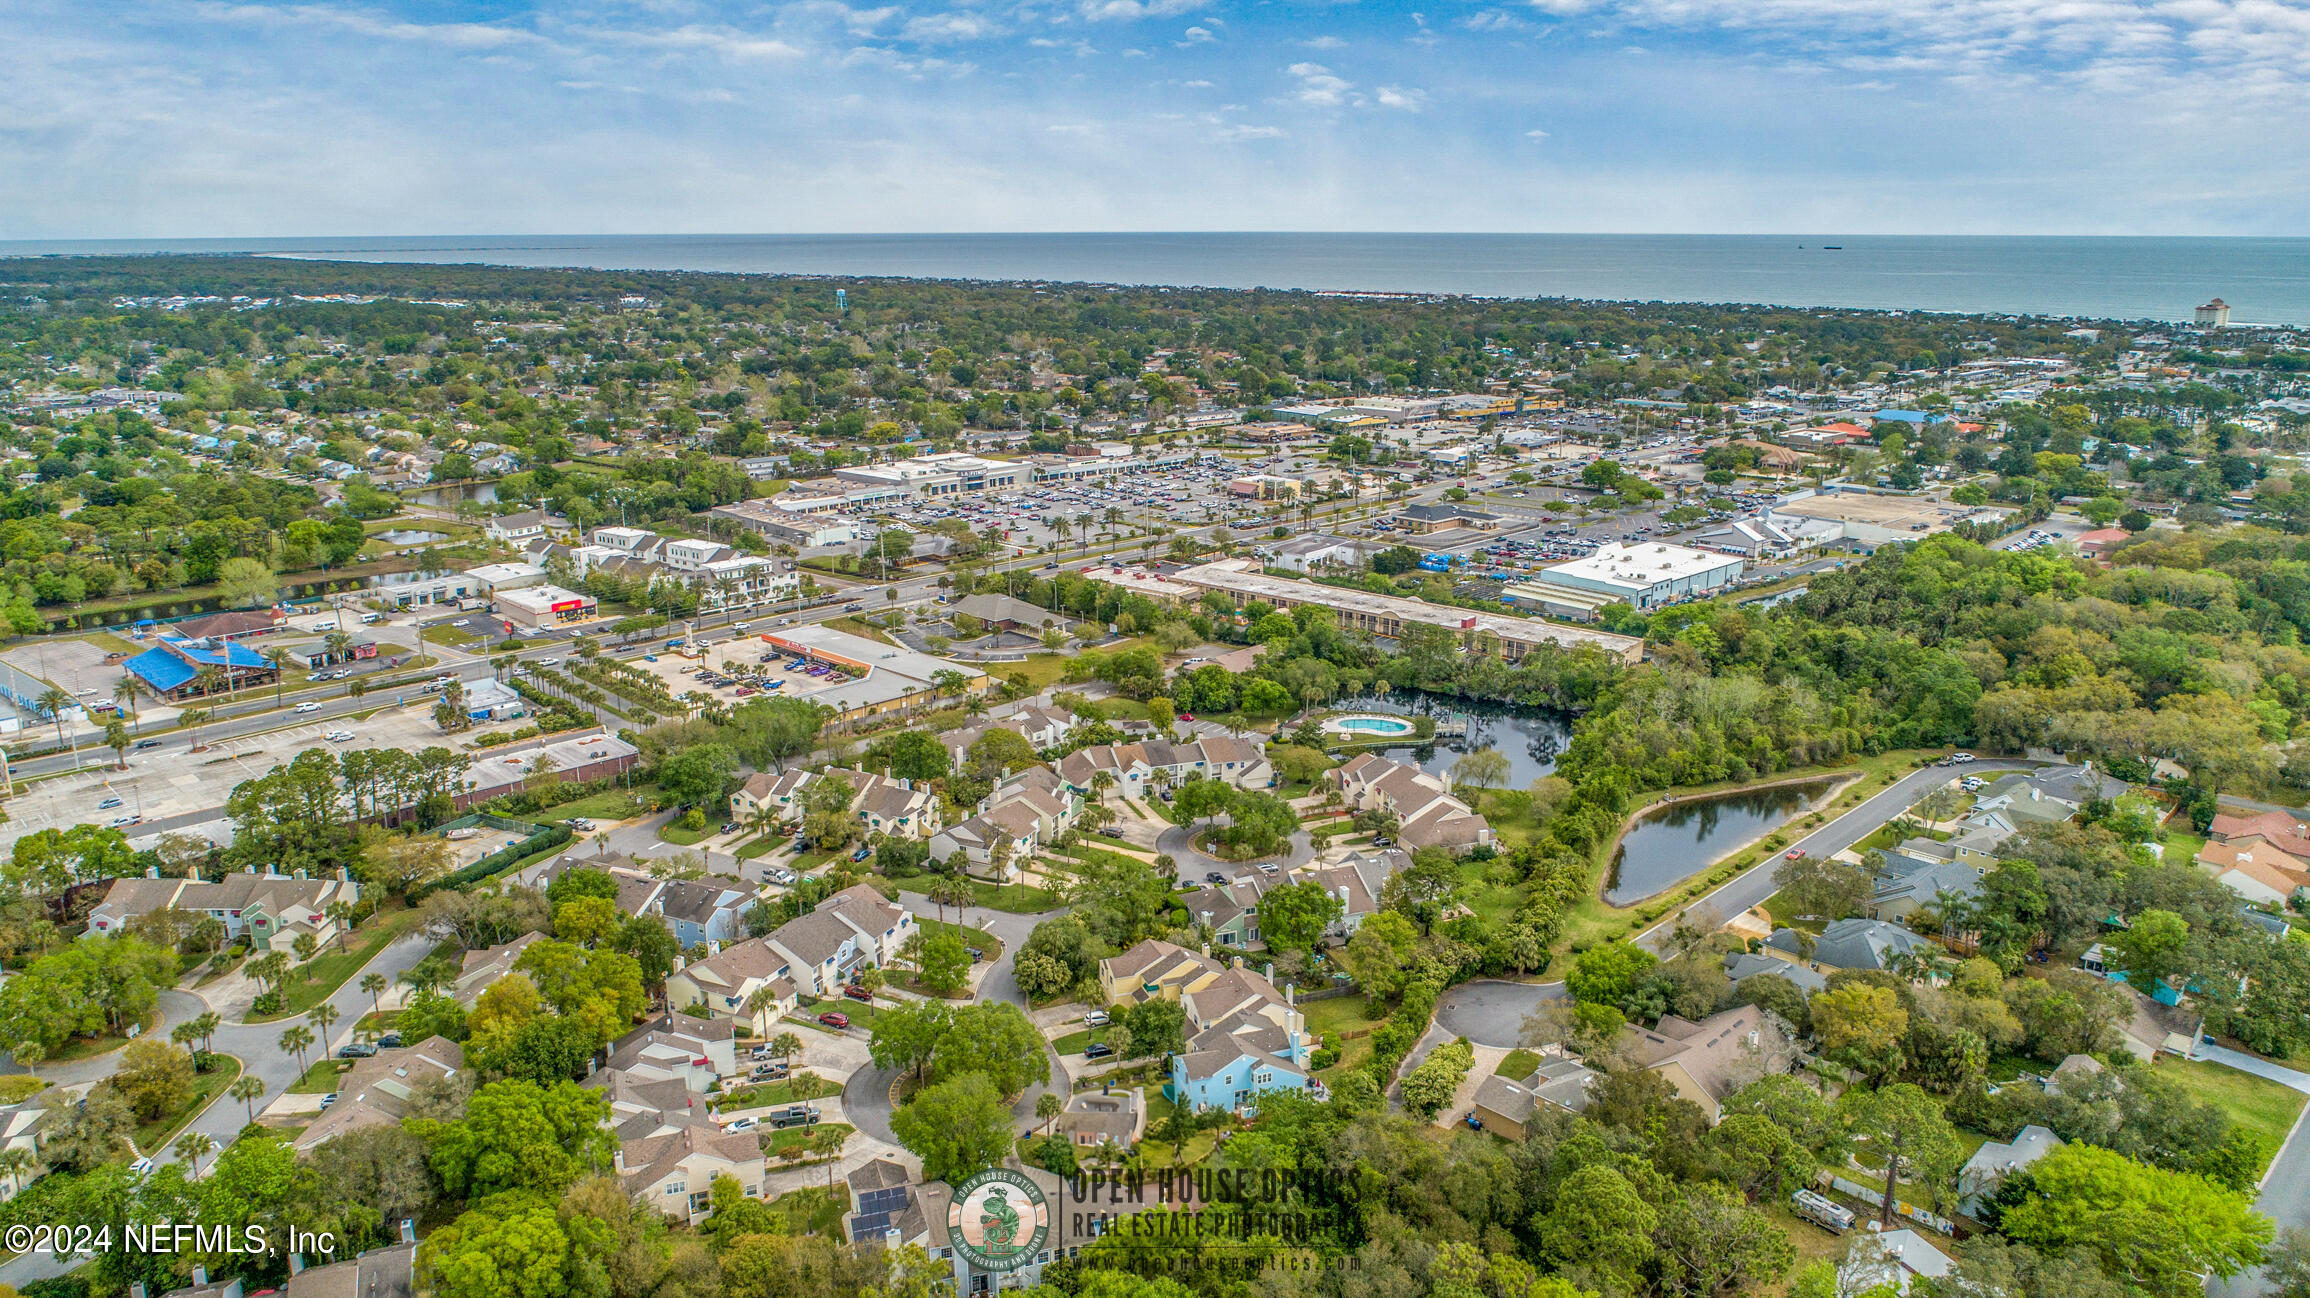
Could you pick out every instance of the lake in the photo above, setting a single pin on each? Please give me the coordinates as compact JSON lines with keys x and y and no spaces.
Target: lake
{"x":1668,"y":846}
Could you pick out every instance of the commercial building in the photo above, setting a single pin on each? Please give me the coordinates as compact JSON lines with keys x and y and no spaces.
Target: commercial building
{"x":1319,"y":551}
{"x":174,"y":669}
{"x":1264,"y":486}
{"x":491,"y":578}
{"x":1872,"y":518}
{"x":1383,"y":615}
{"x":941,"y":473}
{"x":872,"y":678}
{"x":539,"y":608}
{"x":1643,"y":575}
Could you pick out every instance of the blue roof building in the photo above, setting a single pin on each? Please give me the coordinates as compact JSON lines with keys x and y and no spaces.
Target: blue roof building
{"x":172,"y":668}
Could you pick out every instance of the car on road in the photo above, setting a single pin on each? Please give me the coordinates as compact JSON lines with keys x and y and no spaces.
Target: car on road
{"x":858,"y":993}
{"x":649,"y":658}
{"x":329,"y":1099}
{"x":852,"y":608}
{"x":1186,"y":716}
{"x":729,"y":826}
{"x":123,"y":822}
{"x":142,"y":1167}
{"x":549,"y":662}
{"x":338,"y":736}
{"x":356,"y":1050}
{"x":778,"y":874}
{"x":143,"y":744}
{"x":835,"y":1019}
{"x":390,"y":1041}
{"x":1958,"y":759}
{"x":794,"y":1115}
{"x":976,"y":954}
{"x":1214,"y":876}
{"x":108,"y":804}
{"x":308,"y":706}
{"x":1796,"y":854}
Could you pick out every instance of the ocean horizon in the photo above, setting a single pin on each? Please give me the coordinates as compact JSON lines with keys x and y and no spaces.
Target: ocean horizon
{"x":2265,"y":280}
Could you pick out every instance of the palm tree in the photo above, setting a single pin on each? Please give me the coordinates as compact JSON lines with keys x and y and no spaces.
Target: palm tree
{"x":339,"y":644}
{"x":295,"y":1041}
{"x":246,"y":1091}
{"x":322,"y":1017}
{"x":357,"y":686}
{"x":16,"y":1162}
{"x":53,"y":701}
{"x":785,"y":1045}
{"x":762,"y":998}
{"x":375,"y":984}
{"x":208,"y":679}
{"x":192,"y":1147}
{"x":124,"y":695}
{"x":280,"y":657}
{"x":192,"y":719}
{"x":1048,"y":1107}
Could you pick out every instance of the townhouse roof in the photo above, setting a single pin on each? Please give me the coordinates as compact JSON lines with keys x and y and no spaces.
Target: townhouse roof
{"x":652,"y":1158}
{"x":1720,"y":1053}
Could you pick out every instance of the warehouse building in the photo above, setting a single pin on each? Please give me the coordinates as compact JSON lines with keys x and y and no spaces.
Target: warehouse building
{"x":1644,"y":575}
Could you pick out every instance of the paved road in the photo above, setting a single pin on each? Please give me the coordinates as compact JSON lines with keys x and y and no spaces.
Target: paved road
{"x":1492,"y":1013}
{"x":1756,"y":883}
{"x":2285,"y":1197}
{"x":257,"y":1046}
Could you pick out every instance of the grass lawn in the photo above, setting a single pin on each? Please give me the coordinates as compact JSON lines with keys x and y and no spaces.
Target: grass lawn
{"x":758,"y":847}
{"x":609,"y":804}
{"x":321,"y":1078}
{"x":680,"y":837}
{"x":977,"y":937}
{"x":314,"y":981}
{"x":1014,"y":898}
{"x":814,"y":1211}
{"x":1073,"y":1042}
{"x":1518,"y":1064}
{"x":456,"y":637}
{"x":2256,"y":1104}
{"x":1157,"y":1153}
{"x":152,"y":1137}
{"x":1339,"y":1014}
{"x":774,"y":1141}
{"x":802,"y":1086}
{"x":2183,"y":847}
{"x":87,"y":1047}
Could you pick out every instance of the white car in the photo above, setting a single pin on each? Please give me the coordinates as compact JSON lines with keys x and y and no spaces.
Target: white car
{"x":743,"y":1124}
{"x":338,"y":736}
{"x":549,"y":662}
{"x":308,"y":706}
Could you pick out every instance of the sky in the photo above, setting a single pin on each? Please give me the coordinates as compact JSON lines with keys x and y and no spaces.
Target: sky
{"x":240,"y":118}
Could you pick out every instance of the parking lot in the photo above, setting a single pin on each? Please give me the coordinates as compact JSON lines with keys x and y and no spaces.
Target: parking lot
{"x":169,"y":782}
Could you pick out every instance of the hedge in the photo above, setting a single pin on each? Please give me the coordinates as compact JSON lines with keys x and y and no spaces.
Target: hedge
{"x":503,"y":859}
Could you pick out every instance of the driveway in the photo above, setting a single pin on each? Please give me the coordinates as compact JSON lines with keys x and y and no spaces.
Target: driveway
{"x":2254,"y":1064}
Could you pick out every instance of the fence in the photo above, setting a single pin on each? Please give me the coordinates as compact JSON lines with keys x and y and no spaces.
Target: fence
{"x":1875,"y":1198}
{"x":538,"y":839}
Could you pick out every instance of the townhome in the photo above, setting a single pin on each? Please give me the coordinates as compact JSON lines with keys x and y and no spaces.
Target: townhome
{"x":1039,"y":788}
{"x":1426,"y":813}
{"x":674,"y":1173}
{"x":1042,"y":728}
{"x":24,"y":1126}
{"x":1852,"y":944}
{"x":1152,"y":969}
{"x":271,"y":909}
{"x":2049,"y":796}
{"x":1504,"y":1106}
{"x":1111,"y":1121}
{"x":994,"y":842}
{"x":704,"y":910}
{"x":893,"y":807}
{"x":1243,"y":1040}
{"x":1707,"y":1061}
{"x":487,"y":965}
{"x":376,"y":1091}
{"x":1229,"y":910}
{"x":780,"y":793}
{"x":852,"y":930}
{"x":646,"y":1106}
{"x":895,"y":1214}
{"x":1135,"y":766}
{"x":723,"y":985}
{"x":1357,"y":880}
{"x":678,"y":1047}
{"x":722,"y":577}
{"x":387,"y":1272}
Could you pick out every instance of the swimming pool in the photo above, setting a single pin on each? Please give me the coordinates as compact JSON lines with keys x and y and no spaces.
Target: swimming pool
{"x":1369,"y":725}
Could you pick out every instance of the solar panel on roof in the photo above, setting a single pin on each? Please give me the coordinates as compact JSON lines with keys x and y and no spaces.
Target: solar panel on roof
{"x":872,"y":1224}
{"x":888,"y":1200}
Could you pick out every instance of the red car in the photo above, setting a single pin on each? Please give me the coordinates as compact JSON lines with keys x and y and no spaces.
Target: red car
{"x":835,"y":1019}
{"x":857,"y":993}
{"x":1186,"y":716}
{"x":1796,"y":854}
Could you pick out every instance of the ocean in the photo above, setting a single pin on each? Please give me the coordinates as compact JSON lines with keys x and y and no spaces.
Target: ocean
{"x":2266,"y":281}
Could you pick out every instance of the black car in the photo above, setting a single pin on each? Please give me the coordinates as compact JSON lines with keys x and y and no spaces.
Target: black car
{"x":389,"y":1041}
{"x":976,"y":954}
{"x":143,"y":744}
{"x":1097,"y":1050}
{"x":1214,"y":876}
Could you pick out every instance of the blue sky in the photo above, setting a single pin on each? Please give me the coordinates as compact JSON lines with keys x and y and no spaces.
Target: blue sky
{"x":186,"y":118}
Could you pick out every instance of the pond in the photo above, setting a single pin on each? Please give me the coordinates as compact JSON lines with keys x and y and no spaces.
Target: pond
{"x":1665,"y":847}
{"x":404,"y":578}
{"x":409,"y":536}
{"x":447,"y":497}
{"x":1530,"y":739}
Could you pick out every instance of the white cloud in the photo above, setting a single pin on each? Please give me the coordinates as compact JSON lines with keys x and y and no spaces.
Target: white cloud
{"x":461,"y":36}
{"x":1324,"y":43}
{"x":1244,"y":132}
{"x":1492,"y":20}
{"x":1133,"y":10}
{"x":957,"y":26}
{"x":1197,"y":36}
{"x":1535,"y":136}
{"x":1399,"y":97}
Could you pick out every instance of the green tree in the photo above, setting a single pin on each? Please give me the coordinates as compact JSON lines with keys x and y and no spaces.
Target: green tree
{"x":2152,"y":949}
{"x":2162,"y":1230}
{"x":247,"y":583}
{"x":698,"y":776}
{"x":995,"y":1040}
{"x":944,"y":964}
{"x":518,"y":1135}
{"x":907,"y":1035}
{"x":1905,"y":1127}
{"x":1293,"y":916}
{"x":1599,"y":1221}
{"x":957,"y":1127}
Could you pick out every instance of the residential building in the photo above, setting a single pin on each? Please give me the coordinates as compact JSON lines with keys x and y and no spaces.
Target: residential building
{"x":993,"y":842}
{"x":675,"y":1172}
{"x":895,"y":1214}
{"x":780,"y":793}
{"x":1229,"y":910}
{"x":1319,"y":552}
{"x":1387,"y":616}
{"x":1041,"y":727}
{"x":2280,"y":829}
{"x":720,"y":575}
{"x":1108,"y":1120}
{"x":1979,"y":1180}
{"x":386,"y":1272}
{"x":1357,"y":880}
{"x":647,"y":1106}
{"x":267,"y":908}
{"x":708,"y":910}
{"x":1243,"y":1040}
{"x":1853,"y":944}
{"x":1889,"y":1260}
{"x":723,"y":985}
{"x":1154,"y":969}
{"x":679,"y":1047}
{"x":1740,"y":966}
{"x":523,"y":527}
{"x":2256,"y":871}
{"x":376,"y":1091}
{"x":1133,"y":767}
{"x":1425,"y":810}
{"x":24,"y":1126}
{"x":487,"y":965}
{"x":854,"y":929}
{"x":1911,"y":884}
{"x":2048,"y":796}
{"x":883,"y":805}
{"x":1707,"y":1061}
{"x":1505,"y":1106}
